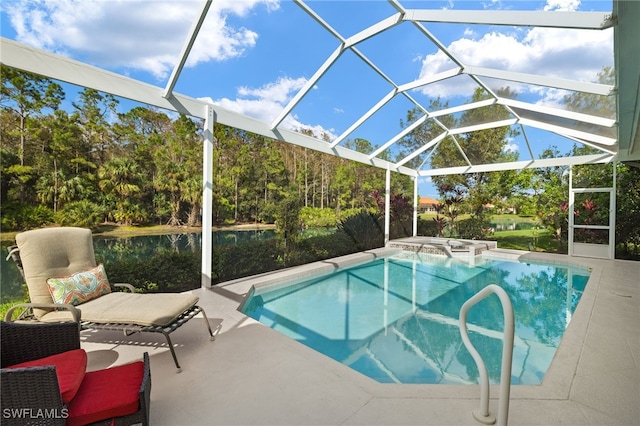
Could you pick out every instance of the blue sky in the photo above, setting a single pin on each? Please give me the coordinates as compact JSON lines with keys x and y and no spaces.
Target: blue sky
{"x":253,"y":56}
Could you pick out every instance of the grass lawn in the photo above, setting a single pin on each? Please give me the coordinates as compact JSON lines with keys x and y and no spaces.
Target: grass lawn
{"x":542,"y":240}
{"x":525,"y":239}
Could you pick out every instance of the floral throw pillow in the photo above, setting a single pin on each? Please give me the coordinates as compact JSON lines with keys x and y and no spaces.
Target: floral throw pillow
{"x":79,"y":287}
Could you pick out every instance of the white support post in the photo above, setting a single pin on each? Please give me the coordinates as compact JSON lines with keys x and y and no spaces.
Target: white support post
{"x":612,"y":213}
{"x":387,"y":207}
{"x":207,"y":199}
{"x":416,"y":199}
{"x":570,"y":211}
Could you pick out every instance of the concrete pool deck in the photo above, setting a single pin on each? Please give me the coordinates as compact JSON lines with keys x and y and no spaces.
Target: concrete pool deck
{"x":252,"y":375}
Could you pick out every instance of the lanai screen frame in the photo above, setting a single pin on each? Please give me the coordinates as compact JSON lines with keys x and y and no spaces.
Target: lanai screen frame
{"x":57,"y":67}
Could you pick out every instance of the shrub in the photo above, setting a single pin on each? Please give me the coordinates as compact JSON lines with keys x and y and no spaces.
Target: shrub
{"x":84,"y":214}
{"x":241,"y":260}
{"x":21,"y":217}
{"x":400,"y":229}
{"x":427,"y":228}
{"x":323,"y":247}
{"x":364,"y":229}
{"x":347,"y":213}
{"x":472,"y":229}
{"x":315,"y":217}
{"x":167,"y":272}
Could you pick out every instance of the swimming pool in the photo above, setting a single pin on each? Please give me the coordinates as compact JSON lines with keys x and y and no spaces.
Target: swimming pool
{"x":395,"y":319}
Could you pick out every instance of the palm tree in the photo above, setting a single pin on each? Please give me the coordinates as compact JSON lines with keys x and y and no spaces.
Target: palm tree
{"x":120,"y":180}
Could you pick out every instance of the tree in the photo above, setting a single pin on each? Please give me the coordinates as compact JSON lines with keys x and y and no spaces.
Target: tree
{"x":288,"y":217}
{"x":354,"y":182}
{"x":174,"y":163}
{"x":94,"y":110}
{"x":628,"y":211}
{"x":26,"y":95}
{"x":120,"y":179}
{"x":59,"y":181}
{"x":425,"y":133}
{"x":551,"y":191}
{"x":479,"y":147}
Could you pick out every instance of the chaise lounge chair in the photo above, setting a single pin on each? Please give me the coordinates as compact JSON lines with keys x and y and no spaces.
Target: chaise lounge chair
{"x":65,"y":284}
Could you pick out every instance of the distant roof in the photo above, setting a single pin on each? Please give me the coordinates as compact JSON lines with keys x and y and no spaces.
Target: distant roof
{"x":423,"y":201}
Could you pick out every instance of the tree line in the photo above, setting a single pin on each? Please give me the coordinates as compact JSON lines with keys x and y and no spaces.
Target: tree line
{"x":93,"y":164}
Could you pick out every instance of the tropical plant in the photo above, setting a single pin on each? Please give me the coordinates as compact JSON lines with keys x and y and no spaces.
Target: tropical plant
{"x":288,"y":219}
{"x":364,"y":229}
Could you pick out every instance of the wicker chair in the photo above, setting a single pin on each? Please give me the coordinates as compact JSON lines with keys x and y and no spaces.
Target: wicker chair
{"x":31,"y":395}
{"x":43,"y":254}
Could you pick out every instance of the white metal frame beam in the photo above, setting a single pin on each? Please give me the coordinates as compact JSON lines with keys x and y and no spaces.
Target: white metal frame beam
{"x":562,"y":113}
{"x":539,"y":80}
{"x":577,"y":20}
{"x":520,"y":165}
{"x":184,"y":54}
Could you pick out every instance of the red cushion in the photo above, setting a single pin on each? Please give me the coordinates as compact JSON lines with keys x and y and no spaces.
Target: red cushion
{"x":70,"y":369}
{"x":108,"y":393}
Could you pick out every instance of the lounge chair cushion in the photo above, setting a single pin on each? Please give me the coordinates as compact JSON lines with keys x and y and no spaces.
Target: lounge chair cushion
{"x":108,"y":393}
{"x":150,"y":309}
{"x":53,"y":252}
{"x":80,"y":287}
{"x":70,"y":370}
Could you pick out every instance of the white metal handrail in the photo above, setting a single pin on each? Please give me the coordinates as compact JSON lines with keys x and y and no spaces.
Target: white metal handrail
{"x":482,"y":414}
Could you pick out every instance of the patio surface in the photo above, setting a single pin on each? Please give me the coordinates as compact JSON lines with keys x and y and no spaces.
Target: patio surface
{"x":252,"y":375}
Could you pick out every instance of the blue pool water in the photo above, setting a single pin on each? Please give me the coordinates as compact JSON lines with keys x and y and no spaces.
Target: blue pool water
{"x":396,"y":319}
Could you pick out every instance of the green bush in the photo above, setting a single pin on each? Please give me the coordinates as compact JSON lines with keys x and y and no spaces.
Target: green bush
{"x":323,"y":247}
{"x":427,"y":227}
{"x":167,"y":272}
{"x":364,"y":229}
{"x":241,"y":260}
{"x":347,"y":213}
{"x":315,"y":217}
{"x":21,"y":217}
{"x":472,"y":229}
{"x":400,"y":229}
{"x":84,"y":214}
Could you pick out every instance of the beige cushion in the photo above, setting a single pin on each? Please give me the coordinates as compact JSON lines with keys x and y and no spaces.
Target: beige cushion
{"x":53,"y":252}
{"x":150,"y":309}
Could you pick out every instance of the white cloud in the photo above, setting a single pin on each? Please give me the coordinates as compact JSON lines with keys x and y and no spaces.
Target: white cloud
{"x":564,"y":5}
{"x":141,"y":35}
{"x":511,"y":147}
{"x":279,"y":92}
{"x":554,"y":52}
{"x":266,"y":102}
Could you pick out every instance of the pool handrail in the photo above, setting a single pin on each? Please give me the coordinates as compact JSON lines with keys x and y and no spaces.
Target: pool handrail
{"x":482,"y":414}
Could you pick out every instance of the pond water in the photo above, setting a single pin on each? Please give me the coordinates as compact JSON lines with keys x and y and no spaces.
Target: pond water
{"x":113,"y":248}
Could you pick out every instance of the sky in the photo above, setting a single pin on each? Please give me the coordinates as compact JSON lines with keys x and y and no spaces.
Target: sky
{"x":252,"y":56}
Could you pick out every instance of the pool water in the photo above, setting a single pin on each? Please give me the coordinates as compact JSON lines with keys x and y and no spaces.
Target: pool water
{"x":396,"y":319}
